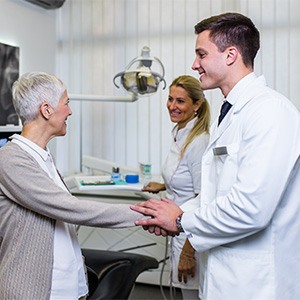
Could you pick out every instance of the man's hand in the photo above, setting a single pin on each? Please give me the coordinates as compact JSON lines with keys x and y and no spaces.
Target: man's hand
{"x":163,"y":212}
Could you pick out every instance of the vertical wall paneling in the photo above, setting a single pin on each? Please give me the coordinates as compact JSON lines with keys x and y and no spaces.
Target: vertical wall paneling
{"x":143,"y":103}
{"x":73,"y":51}
{"x":119,"y":133}
{"x":192,"y":11}
{"x":282,"y":44}
{"x":87,"y":109}
{"x":255,"y":11}
{"x":179,"y":38}
{"x":294,"y":51}
{"x":216,"y":7}
{"x":131,"y":51}
{"x":166,"y":57}
{"x":154,"y":102}
{"x":267,"y":31}
{"x":109,"y":44}
{"x":97,"y":73}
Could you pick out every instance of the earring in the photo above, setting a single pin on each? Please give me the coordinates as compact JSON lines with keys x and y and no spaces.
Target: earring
{"x":196,"y":112}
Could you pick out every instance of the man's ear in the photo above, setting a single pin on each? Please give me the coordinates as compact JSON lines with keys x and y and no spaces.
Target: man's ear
{"x":232,"y":54}
{"x":46,"y":110}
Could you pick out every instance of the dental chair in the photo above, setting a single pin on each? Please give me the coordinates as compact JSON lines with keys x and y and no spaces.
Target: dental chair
{"x":112,"y":274}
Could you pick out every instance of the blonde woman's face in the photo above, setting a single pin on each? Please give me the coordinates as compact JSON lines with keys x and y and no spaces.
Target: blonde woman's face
{"x":180,"y":106}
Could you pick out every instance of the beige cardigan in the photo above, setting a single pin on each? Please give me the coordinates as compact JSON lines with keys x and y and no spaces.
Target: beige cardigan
{"x":30,"y":202}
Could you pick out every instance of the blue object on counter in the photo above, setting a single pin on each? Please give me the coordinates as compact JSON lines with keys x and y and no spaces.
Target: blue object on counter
{"x":132,"y":178}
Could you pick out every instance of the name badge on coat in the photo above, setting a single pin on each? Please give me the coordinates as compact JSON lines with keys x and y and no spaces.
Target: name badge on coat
{"x":220,"y":151}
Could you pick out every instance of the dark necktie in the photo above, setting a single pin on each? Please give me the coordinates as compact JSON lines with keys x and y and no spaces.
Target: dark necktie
{"x":224,"y":110}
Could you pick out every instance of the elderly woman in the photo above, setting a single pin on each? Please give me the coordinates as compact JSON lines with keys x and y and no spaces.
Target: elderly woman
{"x":40,"y":257}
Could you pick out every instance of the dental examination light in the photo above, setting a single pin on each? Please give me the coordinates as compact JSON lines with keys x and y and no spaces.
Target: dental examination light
{"x":137,"y":79}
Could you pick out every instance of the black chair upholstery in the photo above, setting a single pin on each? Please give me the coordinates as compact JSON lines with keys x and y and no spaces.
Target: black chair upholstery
{"x":112,"y":274}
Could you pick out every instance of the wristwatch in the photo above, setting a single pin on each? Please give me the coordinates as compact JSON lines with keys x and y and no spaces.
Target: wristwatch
{"x":178,"y":223}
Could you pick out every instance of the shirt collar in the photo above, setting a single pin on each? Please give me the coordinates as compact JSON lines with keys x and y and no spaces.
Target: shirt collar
{"x":239,"y":88}
{"x":178,"y":133}
{"x":44,"y":154}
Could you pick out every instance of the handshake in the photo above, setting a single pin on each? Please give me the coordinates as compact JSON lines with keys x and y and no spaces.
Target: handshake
{"x":165,"y":216}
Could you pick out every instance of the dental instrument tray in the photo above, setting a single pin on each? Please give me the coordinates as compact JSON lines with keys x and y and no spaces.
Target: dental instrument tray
{"x":90,"y":183}
{"x":96,"y":182}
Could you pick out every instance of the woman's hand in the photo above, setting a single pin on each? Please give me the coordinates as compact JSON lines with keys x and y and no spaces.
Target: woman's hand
{"x":154,"y":187}
{"x":187,"y":262}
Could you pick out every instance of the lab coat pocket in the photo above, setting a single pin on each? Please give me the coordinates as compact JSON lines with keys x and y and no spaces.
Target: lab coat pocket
{"x":239,"y":274}
{"x":226,"y":158}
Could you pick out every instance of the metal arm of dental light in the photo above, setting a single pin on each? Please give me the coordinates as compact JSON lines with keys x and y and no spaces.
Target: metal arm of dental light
{"x":100,"y":98}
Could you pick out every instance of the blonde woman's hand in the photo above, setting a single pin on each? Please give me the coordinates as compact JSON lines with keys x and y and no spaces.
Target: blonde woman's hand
{"x":154,"y":187}
{"x":187,"y":262}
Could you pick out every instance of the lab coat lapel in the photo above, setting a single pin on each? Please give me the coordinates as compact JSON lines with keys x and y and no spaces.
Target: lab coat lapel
{"x":242,"y":99}
{"x":217,"y":131}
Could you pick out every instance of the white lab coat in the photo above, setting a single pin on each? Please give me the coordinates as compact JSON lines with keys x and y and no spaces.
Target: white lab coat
{"x":182,"y":177}
{"x":247,"y":233}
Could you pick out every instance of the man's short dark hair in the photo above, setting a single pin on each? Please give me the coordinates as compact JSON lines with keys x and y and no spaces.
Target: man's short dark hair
{"x":232,"y":29}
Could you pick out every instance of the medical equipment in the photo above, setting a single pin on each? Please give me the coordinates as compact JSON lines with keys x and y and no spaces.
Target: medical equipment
{"x":137,"y":79}
{"x":48,"y":4}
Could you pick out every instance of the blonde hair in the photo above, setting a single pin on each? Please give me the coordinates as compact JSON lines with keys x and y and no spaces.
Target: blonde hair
{"x":192,"y":86}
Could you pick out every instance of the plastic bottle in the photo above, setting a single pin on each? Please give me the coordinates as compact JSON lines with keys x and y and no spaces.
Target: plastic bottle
{"x":145,"y":173}
{"x":115,"y":175}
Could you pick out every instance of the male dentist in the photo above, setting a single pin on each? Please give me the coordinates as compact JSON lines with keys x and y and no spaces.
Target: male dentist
{"x":247,"y":227}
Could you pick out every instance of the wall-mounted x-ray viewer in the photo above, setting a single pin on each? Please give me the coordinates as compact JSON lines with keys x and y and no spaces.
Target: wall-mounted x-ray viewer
{"x":142,"y":76}
{"x":9,"y":72}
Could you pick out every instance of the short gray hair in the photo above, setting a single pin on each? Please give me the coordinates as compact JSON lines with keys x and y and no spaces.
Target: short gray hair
{"x":31,"y":90}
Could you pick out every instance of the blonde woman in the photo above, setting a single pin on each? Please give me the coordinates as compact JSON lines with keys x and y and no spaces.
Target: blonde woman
{"x":181,"y":172}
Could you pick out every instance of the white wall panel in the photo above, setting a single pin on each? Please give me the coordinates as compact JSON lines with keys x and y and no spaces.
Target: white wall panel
{"x":167,"y":59}
{"x":143,"y":23}
{"x":155,"y":143}
{"x":294,"y":53}
{"x":119,"y":130}
{"x":131,"y":109}
{"x":268,"y":48}
{"x":282,"y":46}
{"x":98,"y":38}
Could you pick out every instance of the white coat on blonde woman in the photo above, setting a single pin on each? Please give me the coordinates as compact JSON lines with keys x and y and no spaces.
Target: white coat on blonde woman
{"x":182,"y":177}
